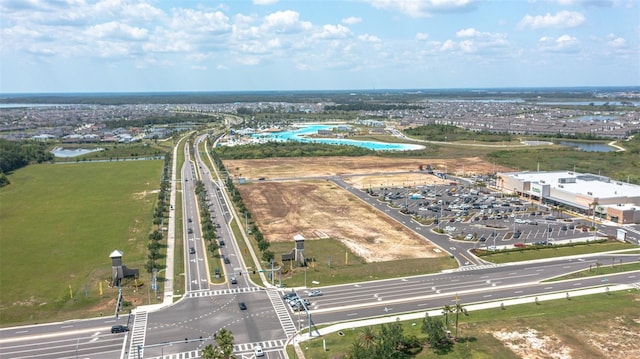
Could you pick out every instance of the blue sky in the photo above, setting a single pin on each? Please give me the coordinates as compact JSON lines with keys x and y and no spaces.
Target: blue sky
{"x":154,"y":45}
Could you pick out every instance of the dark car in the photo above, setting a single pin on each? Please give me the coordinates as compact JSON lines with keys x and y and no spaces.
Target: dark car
{"x":289,"y":295}
{"x":242,"y":306}
{"x":189,"y":220}
{"x":192,"y":250}
{"x":226,"y":260}
{"x":190,"y":231}
{"x":119,"y":329}
{"x":221,"y":243}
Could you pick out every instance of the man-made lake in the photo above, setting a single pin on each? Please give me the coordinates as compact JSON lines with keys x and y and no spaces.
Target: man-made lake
{"x":589,"y":147}
{"x":66,"y":152}
{"x":299,"y":135}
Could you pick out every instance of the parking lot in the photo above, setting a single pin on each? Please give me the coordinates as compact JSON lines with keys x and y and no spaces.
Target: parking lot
{"x":483,"y":216}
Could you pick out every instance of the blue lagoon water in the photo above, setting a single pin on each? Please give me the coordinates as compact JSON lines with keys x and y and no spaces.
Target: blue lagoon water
{"x":300,"y":133}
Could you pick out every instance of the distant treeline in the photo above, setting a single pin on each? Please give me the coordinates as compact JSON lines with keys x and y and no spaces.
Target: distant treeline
{"x":453,"y":133}
{"x":14,"y":155}
{"x":347,"y":97}
{"x":289,"y":149}
{"x":159,"y":121}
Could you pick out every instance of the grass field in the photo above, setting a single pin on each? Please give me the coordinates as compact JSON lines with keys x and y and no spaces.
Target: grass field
{"x":559,"y":251}
{"x":335,"y":264}
{"x":579,"y":326}
{"x":59,"y":225}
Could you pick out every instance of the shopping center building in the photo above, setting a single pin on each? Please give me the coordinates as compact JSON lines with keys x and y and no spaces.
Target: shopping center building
{"x":612,"y":200}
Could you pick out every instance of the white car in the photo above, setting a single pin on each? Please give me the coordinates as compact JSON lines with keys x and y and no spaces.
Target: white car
{"x":315,"y":293}
{"x":257,"y":351}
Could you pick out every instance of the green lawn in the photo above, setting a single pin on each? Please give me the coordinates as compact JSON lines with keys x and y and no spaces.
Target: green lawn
{"x":59,"y":225}
{"x":541,"y":252}
{"x":564,"y":319}
{"x":335,"y":264}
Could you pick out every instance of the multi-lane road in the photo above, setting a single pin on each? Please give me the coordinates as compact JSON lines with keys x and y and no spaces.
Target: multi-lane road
{"x":183,"y":328}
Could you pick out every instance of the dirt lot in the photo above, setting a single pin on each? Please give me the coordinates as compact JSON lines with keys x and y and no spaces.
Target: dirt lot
{"x":293,"y":200}
{"x":281,"y":168}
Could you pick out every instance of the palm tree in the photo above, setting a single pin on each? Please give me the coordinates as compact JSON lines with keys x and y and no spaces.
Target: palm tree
{"x":459,"y":309}
{"x":208,"y":352}
{"x":368,"y":337}
{"x":594,"y":204}
{"x":446,"y":310}
{"x":224,"y":339}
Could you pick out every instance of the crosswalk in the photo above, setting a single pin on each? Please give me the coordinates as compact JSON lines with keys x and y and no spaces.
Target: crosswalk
{"x":282,"y":312}
{"x":244,"y":350}
{"x":211,"y":293}
{"x":136,"y":347}
{"x":483,"y":266}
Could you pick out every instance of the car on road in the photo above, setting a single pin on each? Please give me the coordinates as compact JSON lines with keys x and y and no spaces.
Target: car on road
{"x":190,"y":231}
{"x":242,"y":306}
{"x":234,"y":280}
{"x":221,"y":242}
{"x":192,"y":250}
{"x":261,"y":179}
{"x":189,"y":220}
{"x":289,"y":295}
{"x":315,"y":293}
{"x":227,"y":260}
{"x":257,"y":351}
{"x":119,"y":329}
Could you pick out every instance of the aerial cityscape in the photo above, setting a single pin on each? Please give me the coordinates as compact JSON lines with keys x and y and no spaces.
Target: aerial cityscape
{"x":306,"y":179}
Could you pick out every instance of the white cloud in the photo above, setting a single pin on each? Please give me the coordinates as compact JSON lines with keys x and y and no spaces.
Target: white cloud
{"x":424,"y":8}
{"x":470,"y":32}
{"x":616,"y":41}
{"x":369,"y":38}
{"x":422,"y":36}
{"x":563,"y":20}
{"x":599,"y":3}
{"x":117,"y":30}
{"x":564,"y":43}
{"x":333,"y":32}
{"x":285,"y":22}
{"x":199,"y":21}
{"x":264,"y":2}
{"x":352,"y":20}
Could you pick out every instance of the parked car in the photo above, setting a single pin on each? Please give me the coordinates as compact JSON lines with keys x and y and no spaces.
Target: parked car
{"x":119,"y":329}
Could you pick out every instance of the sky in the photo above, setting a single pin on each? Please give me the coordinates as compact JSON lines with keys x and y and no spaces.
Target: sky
{"x":287,"y":45}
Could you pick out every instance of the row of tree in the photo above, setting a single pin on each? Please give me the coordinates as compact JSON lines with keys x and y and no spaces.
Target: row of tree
{"x":160,"y":213}
{"x":236,"y":198}
{"x":209,"y":232}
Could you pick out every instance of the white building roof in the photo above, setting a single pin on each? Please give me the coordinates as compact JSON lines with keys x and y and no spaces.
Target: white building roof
{"x":585,"y":183}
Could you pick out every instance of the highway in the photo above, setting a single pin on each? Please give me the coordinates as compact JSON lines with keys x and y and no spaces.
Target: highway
{"x":185,"y":327}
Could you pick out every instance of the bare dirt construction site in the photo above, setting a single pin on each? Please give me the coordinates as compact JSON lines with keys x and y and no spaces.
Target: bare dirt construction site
{"x":295,"y":197}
